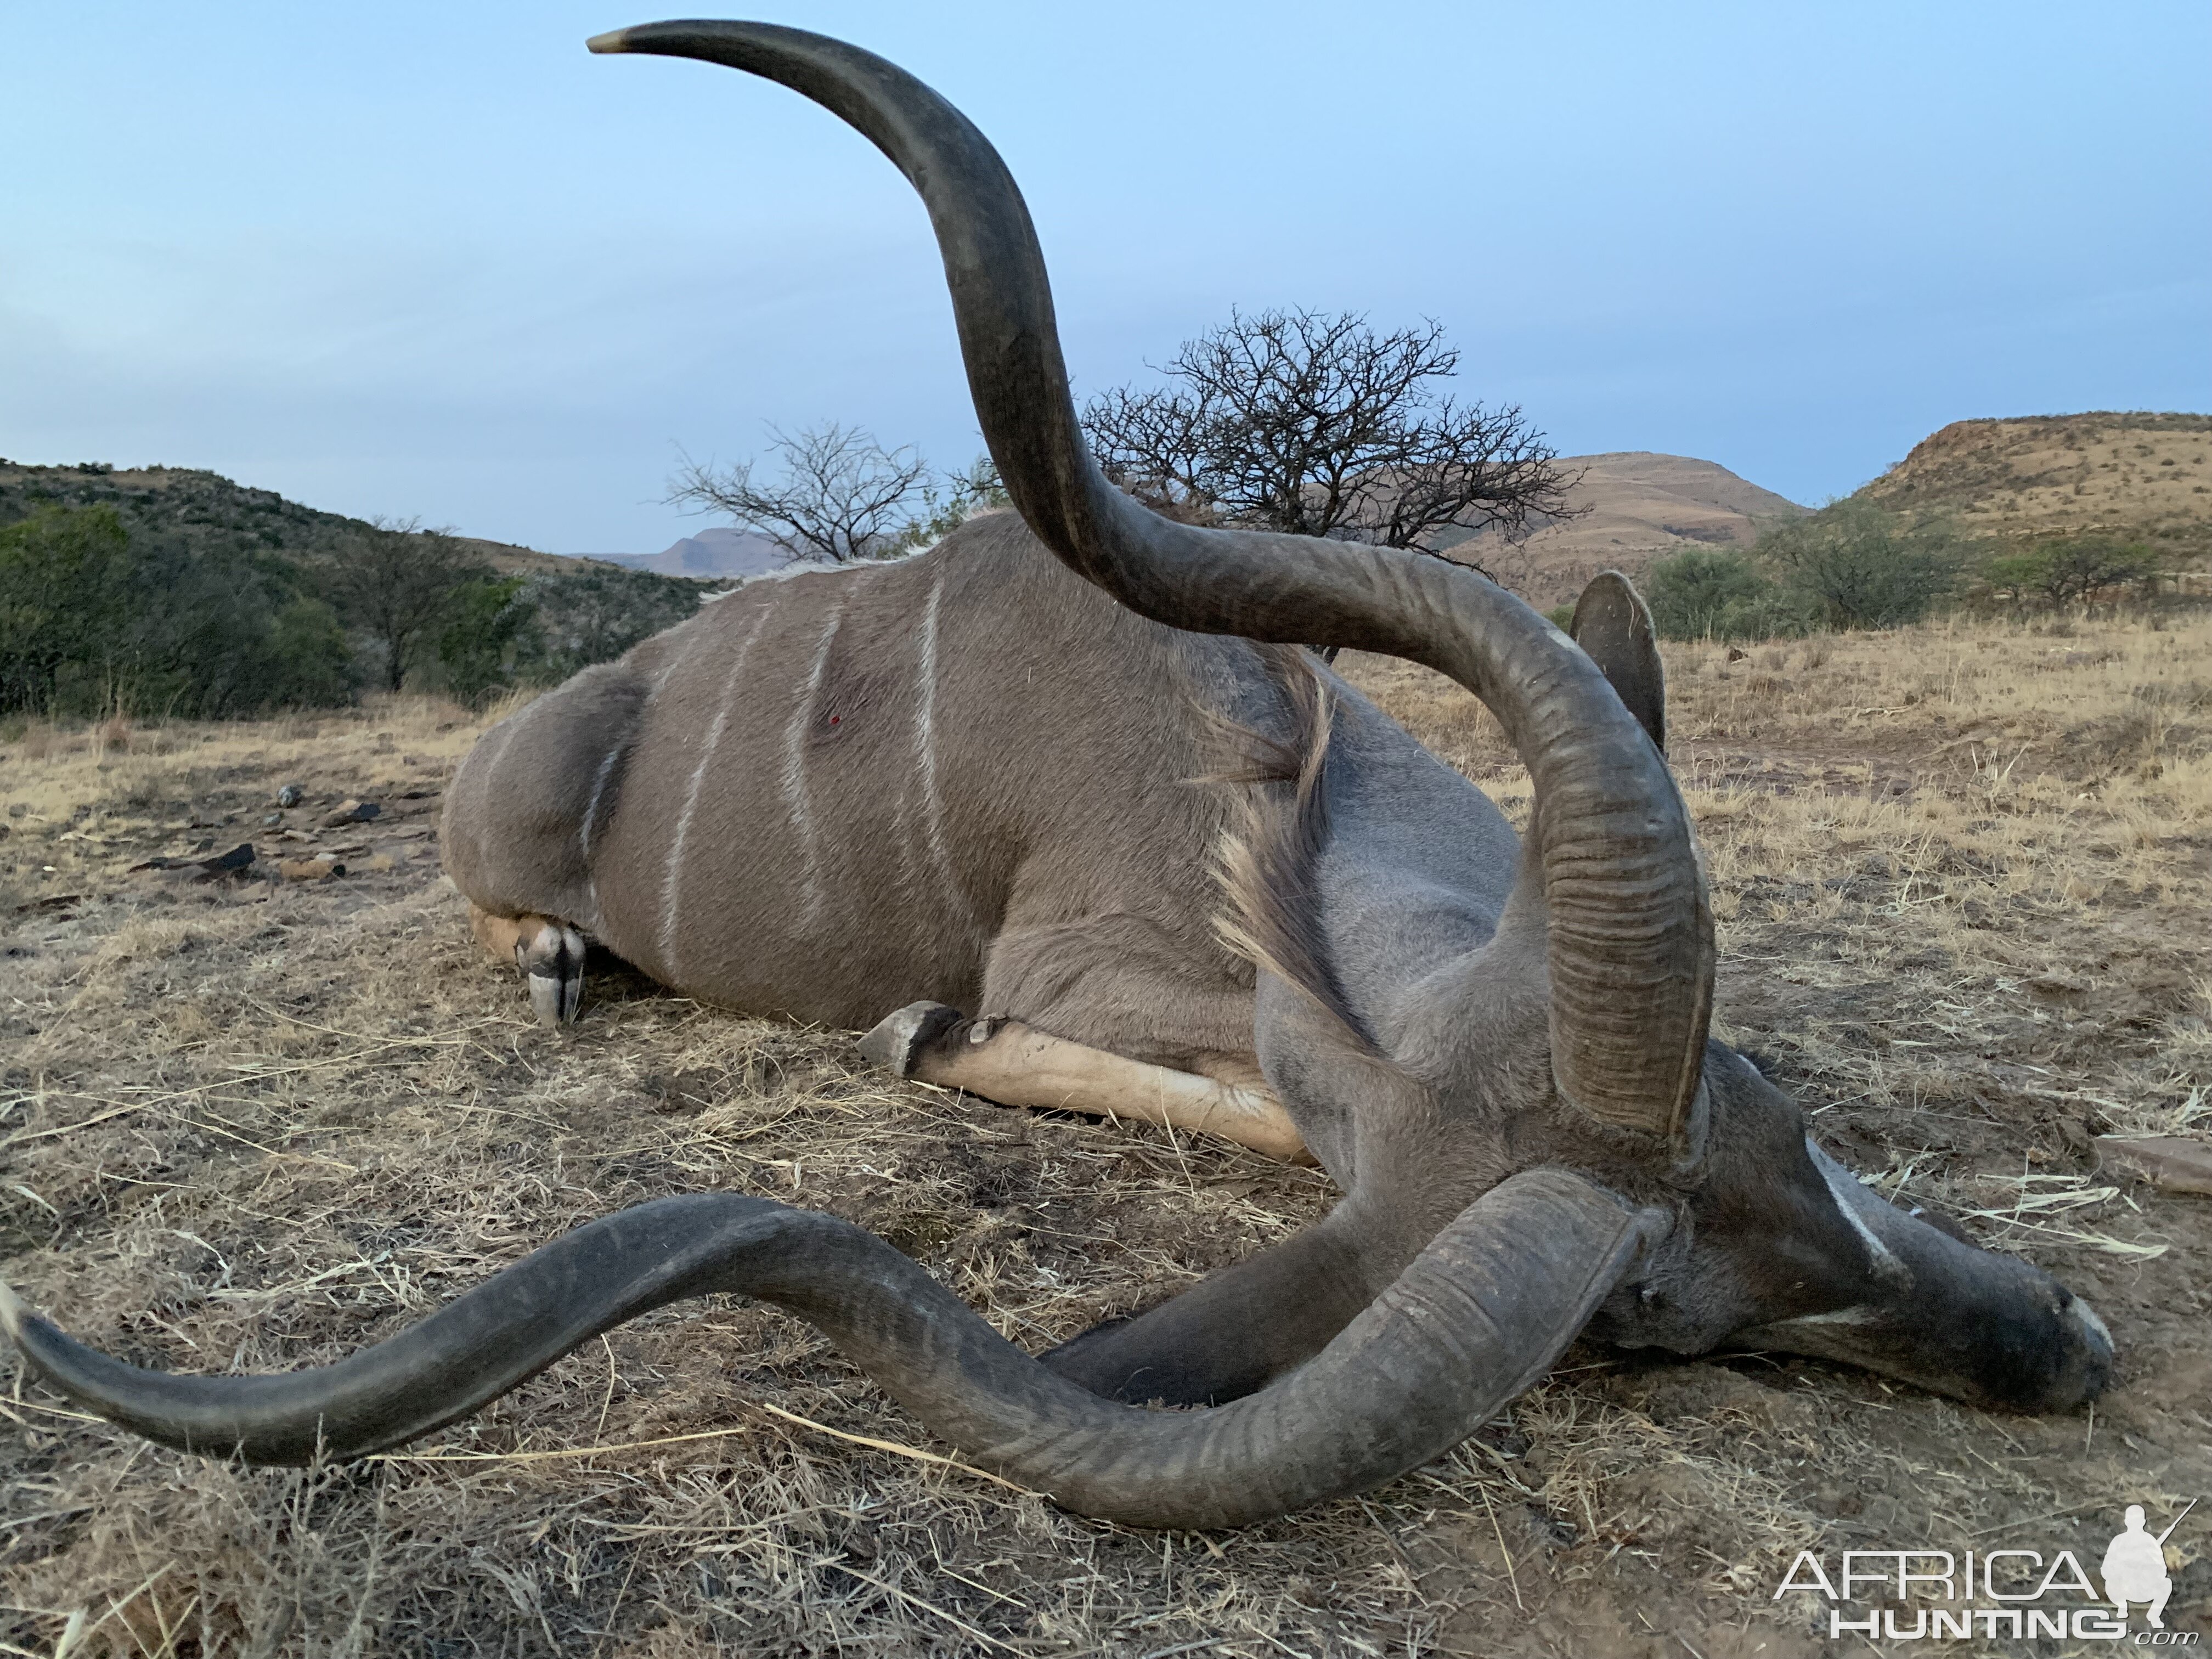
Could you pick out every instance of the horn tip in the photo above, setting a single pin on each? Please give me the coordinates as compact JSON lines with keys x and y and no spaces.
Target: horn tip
{"x":12,"y":1312}
{"x":612,"y":40}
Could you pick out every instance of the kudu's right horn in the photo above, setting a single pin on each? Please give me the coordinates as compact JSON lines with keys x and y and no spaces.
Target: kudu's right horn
{"x":1631,"y":935}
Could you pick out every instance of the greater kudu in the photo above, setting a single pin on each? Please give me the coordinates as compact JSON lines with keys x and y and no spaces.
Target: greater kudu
{"x":967,"y":777}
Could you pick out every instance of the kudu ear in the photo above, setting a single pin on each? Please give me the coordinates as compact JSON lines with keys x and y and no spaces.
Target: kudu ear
{"x":1612,"y":625}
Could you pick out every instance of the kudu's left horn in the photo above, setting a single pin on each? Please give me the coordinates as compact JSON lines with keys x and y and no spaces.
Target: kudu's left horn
{"x":1479,"y":1316}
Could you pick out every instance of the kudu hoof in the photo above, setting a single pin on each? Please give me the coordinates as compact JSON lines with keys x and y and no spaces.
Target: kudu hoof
{"x":898,"y":1041}
{"x":552,"y":961}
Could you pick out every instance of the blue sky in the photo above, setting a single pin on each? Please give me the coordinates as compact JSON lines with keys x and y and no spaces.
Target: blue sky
{"x":437,"y":261}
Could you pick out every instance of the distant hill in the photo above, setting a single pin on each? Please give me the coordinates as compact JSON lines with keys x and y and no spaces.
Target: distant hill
{"x":203,"y":508}
{"x":1641,"y":506}
{"x":199,"y":507}
{"x":715,"y":554}
{"x":2144,"y":477}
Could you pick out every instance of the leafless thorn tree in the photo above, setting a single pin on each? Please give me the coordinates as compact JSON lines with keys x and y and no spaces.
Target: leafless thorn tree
{"x":842,"y":497}
{"x":1311,"y":422}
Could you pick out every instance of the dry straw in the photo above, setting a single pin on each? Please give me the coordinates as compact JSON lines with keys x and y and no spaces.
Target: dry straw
{"x":1964,"y":891}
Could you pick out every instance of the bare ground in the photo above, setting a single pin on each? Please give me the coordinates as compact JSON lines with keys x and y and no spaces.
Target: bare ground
{"x":1963,"y":874}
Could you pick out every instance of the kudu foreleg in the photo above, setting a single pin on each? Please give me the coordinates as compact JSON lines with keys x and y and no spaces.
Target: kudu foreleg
{"x":1017,"y":1064}
{"x":549,"y":952}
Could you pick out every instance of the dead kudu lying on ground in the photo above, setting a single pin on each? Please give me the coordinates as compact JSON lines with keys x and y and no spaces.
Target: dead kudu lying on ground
{"x":967,"y":778}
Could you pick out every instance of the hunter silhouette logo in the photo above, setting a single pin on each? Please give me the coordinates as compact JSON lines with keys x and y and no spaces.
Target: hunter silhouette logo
{"x":2008,"y":1593}
{"x":2135,"y":1566}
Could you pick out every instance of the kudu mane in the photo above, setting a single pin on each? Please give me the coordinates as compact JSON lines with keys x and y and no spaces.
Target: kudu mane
{"x":1270,"y":912}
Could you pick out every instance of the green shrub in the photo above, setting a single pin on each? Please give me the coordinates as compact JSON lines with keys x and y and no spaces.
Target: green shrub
{"x":2071,"y":569}
{"x":1855,"y":564}
{"x":65,"y":609}
{"x":95,"y":616}
{"x":193,"y":596}
{"x":598,"y":612}
{"x":491,"y":640}
{"x":1704,"y":594}
{"x":311,"y":664}
{"x":1852,"y":564}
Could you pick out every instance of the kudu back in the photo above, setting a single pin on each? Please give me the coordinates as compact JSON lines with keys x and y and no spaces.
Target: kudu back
{"x":970,"y":781}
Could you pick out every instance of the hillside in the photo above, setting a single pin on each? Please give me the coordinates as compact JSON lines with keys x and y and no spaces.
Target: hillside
{"x":218,"y":598}
{"x":1637,"y":507}
{"x":204,"y":509}
{"x":2144,"y":476}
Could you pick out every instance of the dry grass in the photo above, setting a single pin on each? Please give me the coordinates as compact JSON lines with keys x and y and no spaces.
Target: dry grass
{"x":1964,"y":876}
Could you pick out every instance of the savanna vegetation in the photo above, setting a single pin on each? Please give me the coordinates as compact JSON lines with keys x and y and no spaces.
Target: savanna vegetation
{"x":163,"y":593}
{"x":1956,"y":808}
{"x":1855,"y":564}
{"x":2025,"y":518}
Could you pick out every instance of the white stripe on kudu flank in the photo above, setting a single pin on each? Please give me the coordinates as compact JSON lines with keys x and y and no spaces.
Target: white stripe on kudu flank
{"x":925,"y":746}
{"x":492,"y":747}
{"x":598,"y":793}
{"x":794,"y":763}
{"x":671,"y":875}
{"x":678,"y":657}
{"x":590,"y":822}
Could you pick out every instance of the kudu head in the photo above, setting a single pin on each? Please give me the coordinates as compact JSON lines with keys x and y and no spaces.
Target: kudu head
{"x":1577,"y":1039}
{"x":1548,"y":1138}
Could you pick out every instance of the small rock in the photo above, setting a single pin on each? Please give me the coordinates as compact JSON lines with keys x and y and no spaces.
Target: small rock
{"x":310,"y":869}
{"x":231,"y":862}
{"x":289,"y":795}
{"x":235,"y":862}
{"x":353,"y":811}
{"x":268,"y":819}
